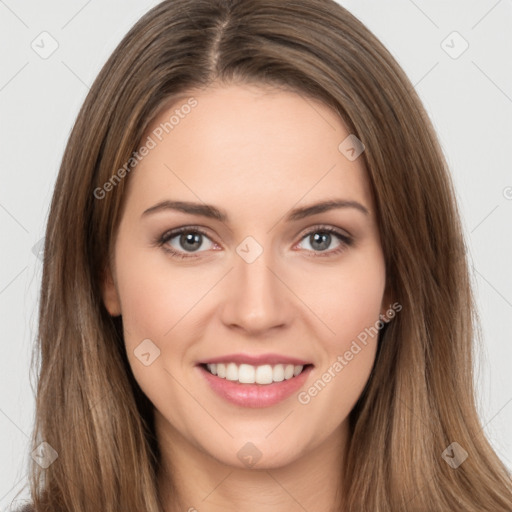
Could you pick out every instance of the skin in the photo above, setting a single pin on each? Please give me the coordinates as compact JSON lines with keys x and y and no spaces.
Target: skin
{"x":255,"y":153}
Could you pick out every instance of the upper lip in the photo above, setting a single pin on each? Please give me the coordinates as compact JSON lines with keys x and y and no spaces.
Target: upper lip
{"x":255,"y":360}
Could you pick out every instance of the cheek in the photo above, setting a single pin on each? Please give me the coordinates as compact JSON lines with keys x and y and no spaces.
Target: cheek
{"x":152,"y":304}
{"x":347,"y":298}
{"x":353,"y":314}
{"x":152,"y":298}
{"x":357,"y":292}
{"x":158,"y":304}
{"x":143,"y":306}
{"x":349,"y":307}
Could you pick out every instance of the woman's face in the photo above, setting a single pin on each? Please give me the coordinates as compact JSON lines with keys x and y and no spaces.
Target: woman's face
{"x":257,"y":277}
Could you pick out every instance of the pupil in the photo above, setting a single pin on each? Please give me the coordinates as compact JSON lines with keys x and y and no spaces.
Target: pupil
{"x":194,"y":239}
{"x":323,"y":240}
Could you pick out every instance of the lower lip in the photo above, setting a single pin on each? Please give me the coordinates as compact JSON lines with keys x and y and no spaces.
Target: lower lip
{"x":255,"y":395}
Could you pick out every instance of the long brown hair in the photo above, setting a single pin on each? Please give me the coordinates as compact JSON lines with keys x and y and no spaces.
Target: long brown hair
{"x":419,"y":398}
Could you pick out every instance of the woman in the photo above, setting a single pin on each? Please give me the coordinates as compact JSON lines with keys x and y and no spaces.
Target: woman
{"x":255,"y":292}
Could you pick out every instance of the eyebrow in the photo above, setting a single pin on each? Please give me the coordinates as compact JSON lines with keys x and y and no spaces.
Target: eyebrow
{"x":212,"y":212}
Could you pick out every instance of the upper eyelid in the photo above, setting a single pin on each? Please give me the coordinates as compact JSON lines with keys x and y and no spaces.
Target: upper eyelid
{"x":172,"y":233}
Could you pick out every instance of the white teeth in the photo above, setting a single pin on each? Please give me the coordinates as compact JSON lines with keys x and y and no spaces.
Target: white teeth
{"x":249,"y":374}
{"x":278,"y":375}
{"x":232,"y":371}
{"x":264,"y":374}
{"x":246,"y":374}
{"x":221,"y":370}
{"x":288,"y":371}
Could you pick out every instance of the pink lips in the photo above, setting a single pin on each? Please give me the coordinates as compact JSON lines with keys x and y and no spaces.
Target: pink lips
{"x":254,"y":395}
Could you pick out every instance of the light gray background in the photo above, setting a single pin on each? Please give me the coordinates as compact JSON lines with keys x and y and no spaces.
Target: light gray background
{"x":469,"y":100}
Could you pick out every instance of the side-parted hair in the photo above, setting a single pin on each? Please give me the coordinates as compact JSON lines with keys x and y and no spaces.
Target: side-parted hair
{"x":420,"y":395}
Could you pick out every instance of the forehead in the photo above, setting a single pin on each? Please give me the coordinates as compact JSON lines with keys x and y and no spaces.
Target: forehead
{"x":248,"y":144}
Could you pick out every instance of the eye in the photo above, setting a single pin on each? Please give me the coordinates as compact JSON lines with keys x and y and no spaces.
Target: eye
{"x":321,"y":238}
{"x":184,"y":240}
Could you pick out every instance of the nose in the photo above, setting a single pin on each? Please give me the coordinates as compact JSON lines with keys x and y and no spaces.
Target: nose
{"x":256,"y":300}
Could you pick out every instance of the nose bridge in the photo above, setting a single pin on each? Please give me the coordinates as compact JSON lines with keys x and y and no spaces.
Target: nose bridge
{"x":256,"y":299}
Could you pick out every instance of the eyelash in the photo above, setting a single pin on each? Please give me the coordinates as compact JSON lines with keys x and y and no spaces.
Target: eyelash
{"x":345,"y":240}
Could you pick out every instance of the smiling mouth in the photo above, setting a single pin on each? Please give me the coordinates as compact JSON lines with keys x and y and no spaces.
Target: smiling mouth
{"x":250,"y":374}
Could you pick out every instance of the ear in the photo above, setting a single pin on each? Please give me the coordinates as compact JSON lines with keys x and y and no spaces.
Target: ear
{"x":109,"y":292}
